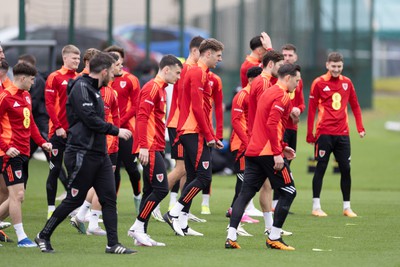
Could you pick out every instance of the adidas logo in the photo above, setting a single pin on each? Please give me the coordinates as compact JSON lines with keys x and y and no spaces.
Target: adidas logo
{"x":64,"y":82}
{"x":326,"y":89}
{"x":16,"y":104}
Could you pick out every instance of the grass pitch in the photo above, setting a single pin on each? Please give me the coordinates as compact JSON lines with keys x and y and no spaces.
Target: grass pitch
{"x":372,"y":239}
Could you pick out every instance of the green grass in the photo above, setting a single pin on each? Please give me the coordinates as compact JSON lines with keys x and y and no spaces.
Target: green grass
{"x":387,"y":84}
{"x":372,"y":239}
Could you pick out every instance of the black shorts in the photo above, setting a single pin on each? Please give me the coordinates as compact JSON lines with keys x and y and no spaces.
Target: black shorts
{"x":177,"y":151}
{"x":290,"y":137}
{"x":113,"y":158}
{"x":58,"y":144}
{"x":1,"y":164}
{"x":261,"y":167}
{"x":239,"y":162}
{"x":16,"y":170}
{"x":338,"y":144}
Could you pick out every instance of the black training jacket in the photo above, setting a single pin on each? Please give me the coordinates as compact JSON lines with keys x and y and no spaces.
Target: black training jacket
{"x":85,"y":114}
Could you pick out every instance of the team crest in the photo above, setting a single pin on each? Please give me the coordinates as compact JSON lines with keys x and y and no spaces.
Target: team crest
{"x":206,"y":164}
{"x":54,"y":152}
{"x":321,"y":153}
{"x":28,"y":100}
{"x":122,"y":84}
{"x":345,"y":86}
{"x":211,"y":83}
{"x":18,"y":174}
{"x":160,"y":177}
{"x":74,"y":192}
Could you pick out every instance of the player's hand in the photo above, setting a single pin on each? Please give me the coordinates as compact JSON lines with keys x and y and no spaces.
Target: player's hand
{"x":144,"y":156}
{"x":279,"y":163}
{"x":289,"y":153}
{"x":47,"y":147}
{"x":219,"y":144}
{"x":61,"y":132}
{"x":266,"y":41}
{"x":295,"y":119}
{"x":362,"y":134}
{"x":295,"y":111}
{"x":124,"y":133}
{"x":211,"y":144}
{"x":310,"y":139}
{"x":12,"y":152}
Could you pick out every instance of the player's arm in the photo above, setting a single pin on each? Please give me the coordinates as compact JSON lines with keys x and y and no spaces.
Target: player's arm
{"x":3,"y":105}
{"x":355,"y":107}
{"x":218,"y":106}
{"x":50,"y":95}
{"x":236,"y":113}
{"x":275,"y":116}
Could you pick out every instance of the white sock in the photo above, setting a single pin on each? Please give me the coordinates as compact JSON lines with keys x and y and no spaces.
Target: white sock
{"x":346,"y":205}
{"x":137,"y":197}
{"x":176,"y":209}
{"x":316,"y":203}
{"x":51,"y":208}
{"x":232,"y":234}
{"x":94,"y":219}
{"x":275,"y":233}
{"x":157,"y":208}
{"x":137,"y":226}
{"x":19,"y":230}
{"x":274,"y":202}
{"x":83,"y":210}
{"x":183,"y":219}
{"x":206,"y":200}
{"x":172,"y":198}
{"x":268,"y":219}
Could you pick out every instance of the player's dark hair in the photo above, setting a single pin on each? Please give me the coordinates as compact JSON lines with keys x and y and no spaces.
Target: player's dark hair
{"x":100,"y":62}
{"x":272,"y":55}
{"x":288,"y":69}
{"x":290,"y":47}
{"x":210,"y":44}
{"x":28,"y":58}
{"x":334,"y":57}
{"x":196,"y":41}
{"x":115,"y":48}
{"x":23,"y":68}
{"x":253,"y":72}
{"x":255,"y":42}
{"x":169,"y":60}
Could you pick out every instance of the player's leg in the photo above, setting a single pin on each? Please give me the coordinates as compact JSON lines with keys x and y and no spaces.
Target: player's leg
{"x":323,"y":149}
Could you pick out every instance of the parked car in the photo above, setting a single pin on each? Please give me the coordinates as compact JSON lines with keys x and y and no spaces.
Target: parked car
{"x":163,"y":39}
{"x":84,"y":38}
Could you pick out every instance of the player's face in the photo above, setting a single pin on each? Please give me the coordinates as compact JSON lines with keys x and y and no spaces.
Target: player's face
{"x":2,"y":56}
{"x":27,"y":82}
{"x":293,"y":82}
{"x":172,"y":74}
{"x":71,"y":60}
{"x":289,"y":56}
{"x":118,"y":67}
{"x":108,"y":75}
{"x":276,"y":67}
{"x":214,"y":58}
{"x":334,"y":68}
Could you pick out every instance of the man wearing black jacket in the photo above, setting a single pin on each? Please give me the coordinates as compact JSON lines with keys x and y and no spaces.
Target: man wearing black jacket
{"x":86,"y":159}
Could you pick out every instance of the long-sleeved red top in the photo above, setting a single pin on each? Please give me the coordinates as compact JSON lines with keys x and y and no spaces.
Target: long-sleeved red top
{"x":194,"y":113}
{"x":173,"y":115}
{"x":297,"y":98}
{"x":217,"y":97}
{"x":258,"y":86}
{"x":248,"y":63}
{"x":330,"y":96}
{"x":111,"y":115}
{"x":16,"y":121}
{"x":150,"y":118}
{"x":56,"y":98}
{"x":127,"y":87}
{"x":273,"y":112}
{"x":239,"y":113}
